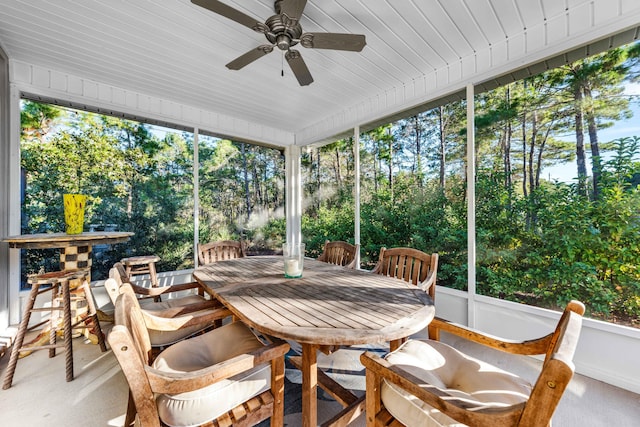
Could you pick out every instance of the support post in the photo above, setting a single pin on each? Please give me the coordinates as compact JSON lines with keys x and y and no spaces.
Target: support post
{"x":471,"y":207}
{"x":196,"y":195}
{"x":293,"y":194}
{"x":356,"y":196}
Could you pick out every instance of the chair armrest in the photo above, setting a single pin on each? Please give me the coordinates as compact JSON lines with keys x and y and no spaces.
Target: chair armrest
{"x":526,"y":347}
{"x":428,"y":282}
{"x":159,"y":323}
{"x":464,"y":411}
{"x":375,"y":269}
{"x":161,"y":290}
{"x":352,"y":264}
{"x":170,"y":382}
{"x":186,"y":309}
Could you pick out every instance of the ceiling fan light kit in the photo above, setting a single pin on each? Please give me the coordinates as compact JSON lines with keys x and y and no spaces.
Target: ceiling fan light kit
{"x":283,"y":30}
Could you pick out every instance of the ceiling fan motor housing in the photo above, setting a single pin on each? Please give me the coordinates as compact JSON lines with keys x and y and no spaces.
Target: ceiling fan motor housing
{"x":282,"y":35}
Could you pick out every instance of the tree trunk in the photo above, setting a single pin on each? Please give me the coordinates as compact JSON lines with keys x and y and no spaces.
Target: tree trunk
{"x":532,"y":148}
{"x":524,"y":153}
{"x":375,"y":166}
{"x":506,"y":146}
{"x":338,"y":168}
{"x":580,"y":154}
{"x":245,"y":174}
{"x":543,"y":143}
{"x":257,"y":185}
{"x":442,"y":151}
{"x":418,"y":158}
{"x":390,"y":164}
{"x":592,"y":127}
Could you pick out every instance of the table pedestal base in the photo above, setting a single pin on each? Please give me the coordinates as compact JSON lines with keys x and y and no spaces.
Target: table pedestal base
{"x":76,"y":258}
{"x":312,"y":377}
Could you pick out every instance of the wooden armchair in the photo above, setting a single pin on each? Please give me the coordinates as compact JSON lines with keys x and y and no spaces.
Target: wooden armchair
{"x":218,"y":251}
{"x":221,"y":378}
{"x":410,"y":265}
{"x":339,"y":253}
{"x":428,"y":383}
{"x":170,"y":325}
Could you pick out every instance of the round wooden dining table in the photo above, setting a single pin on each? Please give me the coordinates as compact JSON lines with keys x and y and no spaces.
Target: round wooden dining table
{"x":328,"y":307}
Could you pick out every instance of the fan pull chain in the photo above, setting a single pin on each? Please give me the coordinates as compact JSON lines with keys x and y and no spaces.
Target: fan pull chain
{"x":282,"y":66}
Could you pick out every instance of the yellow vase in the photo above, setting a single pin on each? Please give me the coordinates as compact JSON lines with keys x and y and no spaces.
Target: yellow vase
{"x":74,"y":205}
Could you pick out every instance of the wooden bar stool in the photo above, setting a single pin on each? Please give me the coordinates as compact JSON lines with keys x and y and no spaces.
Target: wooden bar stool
{"x":59,"y":283}
{"x":144,"y":264}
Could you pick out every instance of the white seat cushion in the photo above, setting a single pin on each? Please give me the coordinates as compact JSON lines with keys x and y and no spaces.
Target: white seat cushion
{"x":462,"y":376}
{"x":200,"y":406}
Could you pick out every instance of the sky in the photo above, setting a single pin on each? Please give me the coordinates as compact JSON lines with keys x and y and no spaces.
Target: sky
{"x":630,"y":127}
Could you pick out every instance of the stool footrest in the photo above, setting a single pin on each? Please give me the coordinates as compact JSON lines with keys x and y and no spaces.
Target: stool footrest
{"x":33,"y":310}
{"x":41,"y":347}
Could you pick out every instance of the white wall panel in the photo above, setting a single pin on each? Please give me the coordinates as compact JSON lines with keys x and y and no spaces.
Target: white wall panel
{"x":130,"y":100}
{"x":58,"y":81}
{"x":89,"y":90}
{"x":556,"y":29}
{"x":430,"y":83}
{"x":603,"y":12}
{"x":535,"y":38}
{"x":516,"y":45}
{"x":499,"y":53}
{"x":626,"y":6}
{"x":468,"y":65}
{"x":104,"y":93}
{"x":74,"y":85}
{"x":455,"y":71}
{"x":483,"y":61}
{"x":581,"y":19}
{"x":119,"y":96}
{"x":40,"y":77}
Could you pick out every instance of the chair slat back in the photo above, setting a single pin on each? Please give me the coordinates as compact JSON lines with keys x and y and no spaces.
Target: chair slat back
{"x":221,"y":250}
{"x":340,"y":253}
{"x":408,"y":264}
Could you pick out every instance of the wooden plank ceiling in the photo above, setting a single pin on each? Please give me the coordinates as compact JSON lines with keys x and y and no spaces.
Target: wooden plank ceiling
{"x":177,"y":51}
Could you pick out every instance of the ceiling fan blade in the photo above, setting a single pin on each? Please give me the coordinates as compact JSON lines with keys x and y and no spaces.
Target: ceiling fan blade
{"x":298,"y":67}
{"x":231,"y":13}
{"x":350,"y":42}
{"x":249,"y":57}
{"x":292,"y":8}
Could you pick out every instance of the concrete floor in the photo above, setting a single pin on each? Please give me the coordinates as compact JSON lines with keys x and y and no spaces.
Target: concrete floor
{"x":97,"y":396}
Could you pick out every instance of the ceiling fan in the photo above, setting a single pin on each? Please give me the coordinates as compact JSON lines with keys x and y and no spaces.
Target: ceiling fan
{"x":283,"y":30}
